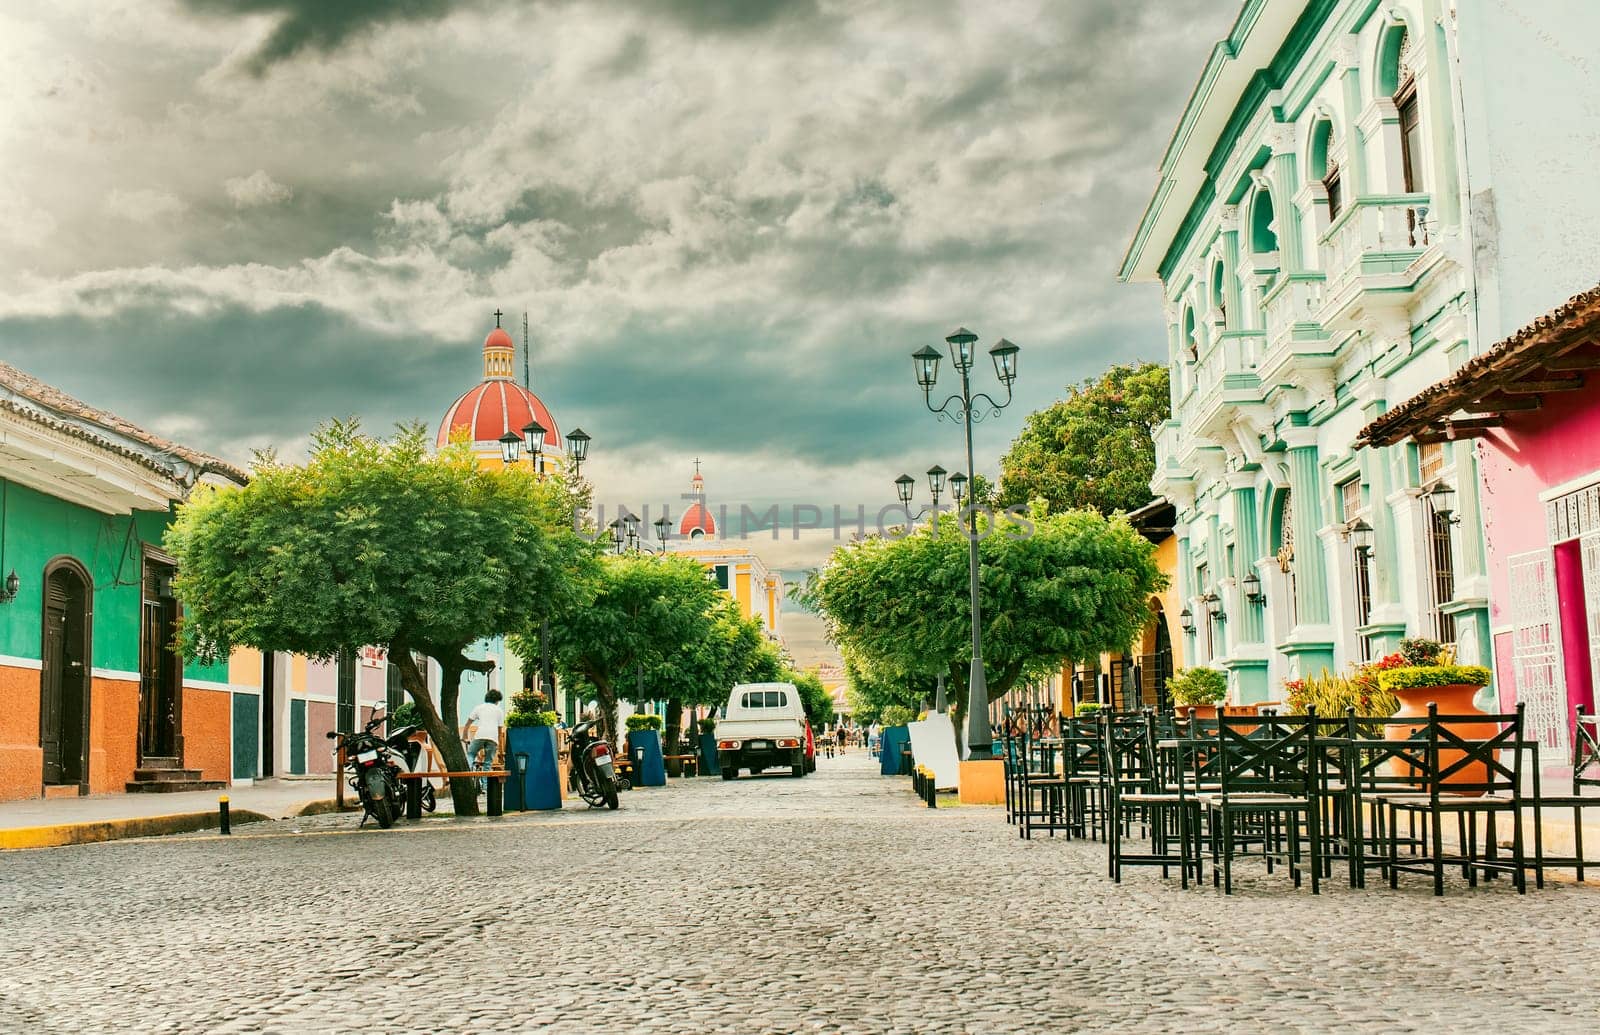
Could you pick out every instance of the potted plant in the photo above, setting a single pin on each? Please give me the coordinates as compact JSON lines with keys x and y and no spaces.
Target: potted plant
{"x":535,"y":781}
{"x":1199,"y":689}
{"x":894,"y":739}
{"x":1430,"y":675}
{"x":708,"y":748}
{"x":644,"y":748}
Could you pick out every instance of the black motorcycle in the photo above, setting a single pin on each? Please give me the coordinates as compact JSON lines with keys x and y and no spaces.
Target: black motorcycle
{"x":594,"y":772}
{"x":400,"y":743}
{"x":375,"y":773}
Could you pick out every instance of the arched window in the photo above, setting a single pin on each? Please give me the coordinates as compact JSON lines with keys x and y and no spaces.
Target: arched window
{"x":1190,"y":346}
{"x":1324,"y":168}
{"x":1263,"y":224}
{"x":1397,"y":80}
{"x":1219,"y":295}
{"x":1283,"y":546}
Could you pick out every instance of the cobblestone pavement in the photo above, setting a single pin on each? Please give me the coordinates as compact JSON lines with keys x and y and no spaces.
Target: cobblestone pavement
{"x":834,"y":903}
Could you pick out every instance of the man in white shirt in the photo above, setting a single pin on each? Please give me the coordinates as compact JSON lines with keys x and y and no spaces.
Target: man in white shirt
{"x":481,"y":731}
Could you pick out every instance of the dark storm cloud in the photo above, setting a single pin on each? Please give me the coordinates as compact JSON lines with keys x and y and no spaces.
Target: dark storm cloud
{"x":321,"y":25}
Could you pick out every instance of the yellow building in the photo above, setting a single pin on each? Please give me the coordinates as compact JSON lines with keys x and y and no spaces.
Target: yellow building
{"x":1138,"y":676}
{"x":738,"y":570}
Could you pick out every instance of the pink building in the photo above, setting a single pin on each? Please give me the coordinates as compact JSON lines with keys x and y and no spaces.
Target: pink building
{"x":1532,"y":402}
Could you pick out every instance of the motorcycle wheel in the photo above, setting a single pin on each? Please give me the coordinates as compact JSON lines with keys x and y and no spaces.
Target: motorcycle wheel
{"x":383,"y":812}
{"x":611,"y":801}
{"x":429,"y":802}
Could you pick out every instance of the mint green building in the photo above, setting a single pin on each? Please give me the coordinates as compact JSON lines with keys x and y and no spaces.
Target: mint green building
{"x":1308,"y":231}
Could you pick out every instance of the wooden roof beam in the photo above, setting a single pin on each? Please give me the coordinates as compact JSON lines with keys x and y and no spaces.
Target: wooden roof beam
{"x":1489,"y":405}
{"x":1573,"y":361}
{"x":1563,"y":384}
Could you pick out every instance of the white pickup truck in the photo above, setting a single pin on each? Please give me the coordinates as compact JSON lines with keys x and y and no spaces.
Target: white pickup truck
{"x":763,"y":726}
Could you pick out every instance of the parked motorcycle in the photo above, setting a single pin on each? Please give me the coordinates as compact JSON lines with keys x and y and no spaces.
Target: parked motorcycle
{"x":594,"y":774}
{"x":375,"y":772}
{"x":399,"y":741}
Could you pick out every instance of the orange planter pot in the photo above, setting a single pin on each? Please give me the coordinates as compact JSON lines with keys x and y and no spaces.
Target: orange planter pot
{"x":1201,"y":711}
{"x":1455,"y":699}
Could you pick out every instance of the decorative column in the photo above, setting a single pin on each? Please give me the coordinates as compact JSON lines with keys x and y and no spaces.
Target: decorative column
{"x":1310,"y":645}
{"x":1286,"y":184}
{"x":1249,"y":655}
{"x":1387,"y":623}
{"x":1347,"y":61}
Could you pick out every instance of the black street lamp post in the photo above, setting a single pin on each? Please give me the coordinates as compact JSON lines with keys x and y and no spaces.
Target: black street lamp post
{"x":960,"y":408}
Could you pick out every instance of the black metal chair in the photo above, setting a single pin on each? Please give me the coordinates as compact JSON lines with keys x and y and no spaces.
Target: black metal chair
{"x":1266,"y":772}
{"x":1168,"y":816}
{"x":1470,"y":779}
{"x":1585,"y":773}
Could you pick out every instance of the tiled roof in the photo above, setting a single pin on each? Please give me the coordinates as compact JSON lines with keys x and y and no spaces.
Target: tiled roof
{"x":1553,"y":350}
{"x":60,"y":412}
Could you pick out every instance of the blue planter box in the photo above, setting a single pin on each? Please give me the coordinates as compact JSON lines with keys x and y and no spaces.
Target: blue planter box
{"x":708,"y":755}
{"x":894,"y":740}
{"x":539,"y":785}
{"x":649,"y":768}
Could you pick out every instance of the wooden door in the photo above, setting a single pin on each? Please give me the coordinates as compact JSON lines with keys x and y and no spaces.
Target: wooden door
{"x":269,"y":714}
{"x":51,"y":703}
{"x":160,"y":700}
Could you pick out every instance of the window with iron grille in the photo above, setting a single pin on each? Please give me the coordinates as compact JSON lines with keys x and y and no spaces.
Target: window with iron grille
{"x":1430,"y":461}
{"x":1350,"y":499}
{"x":345,"y":715}
{"x":1441,"y":564}
{"x":1363,"y":571}
{"x":396,"y":693}
{"x":1285,"y":551}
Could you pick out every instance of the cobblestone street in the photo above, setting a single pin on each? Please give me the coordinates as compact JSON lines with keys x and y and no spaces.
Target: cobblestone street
{"x":836,"y":903}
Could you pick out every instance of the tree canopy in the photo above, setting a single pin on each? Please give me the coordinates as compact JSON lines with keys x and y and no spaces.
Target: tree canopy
{"x":1094,"y":448}
{"x":642,"y":609}
{"x":1053,"y":587}
{"x":377,"y":542}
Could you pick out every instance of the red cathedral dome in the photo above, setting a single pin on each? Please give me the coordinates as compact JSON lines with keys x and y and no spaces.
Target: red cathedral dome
{"x":498,"y":404}
{"x":697,"y":521}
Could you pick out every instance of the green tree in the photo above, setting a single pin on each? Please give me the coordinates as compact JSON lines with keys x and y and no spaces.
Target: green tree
{"x":817,"y":701}
{"x":644,"y":609}
{"x":869,"y":691}
{"x":1093,"y":449}
{"x":1053,"y":588}
{"x":377,"y":542}
{"x":723,"y":650}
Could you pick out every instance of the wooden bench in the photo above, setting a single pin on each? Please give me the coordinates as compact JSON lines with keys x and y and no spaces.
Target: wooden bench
{"x":494,"y":797}
{"x":689,"y":762}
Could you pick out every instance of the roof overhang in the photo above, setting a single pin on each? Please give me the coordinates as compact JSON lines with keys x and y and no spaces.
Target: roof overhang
{"x":1555,"y":353}
{"x":1257,"y":34}
{"x":57,"y":463}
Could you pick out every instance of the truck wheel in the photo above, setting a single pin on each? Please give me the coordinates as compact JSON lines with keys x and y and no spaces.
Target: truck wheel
{"x":799,"y":768}
{"x":729,"y":772}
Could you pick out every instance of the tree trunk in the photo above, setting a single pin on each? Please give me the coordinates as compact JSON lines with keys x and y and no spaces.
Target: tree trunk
{"x":605,"y":699}
{"x":443,"y":723}
{"x":674,"y":731}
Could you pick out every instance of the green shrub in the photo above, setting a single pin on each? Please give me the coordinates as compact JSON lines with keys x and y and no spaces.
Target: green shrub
{"x":644,"y":722}
{"x":1192,"y":687}
{"x":535,"y":718}
{"x":1419,"y":651}
{"x":1334,"y":695}
{"x":708,"y":725}
{"x":896,"y":715}
{"x":1433,"y":675}
{"x":1085,"y":708}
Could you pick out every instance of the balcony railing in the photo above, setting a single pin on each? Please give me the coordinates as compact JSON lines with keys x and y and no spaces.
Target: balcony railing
{"x":1375,"y":235}
{"x":1293,"y":303}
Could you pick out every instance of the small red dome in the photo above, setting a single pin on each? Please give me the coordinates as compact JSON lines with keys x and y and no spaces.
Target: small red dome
{"x":499,"y":339}
{"x":496,"y":407}
{"x":697,"y":519}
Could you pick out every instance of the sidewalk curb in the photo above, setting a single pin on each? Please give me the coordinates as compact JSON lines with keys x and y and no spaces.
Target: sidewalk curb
{"x":60,"y":834}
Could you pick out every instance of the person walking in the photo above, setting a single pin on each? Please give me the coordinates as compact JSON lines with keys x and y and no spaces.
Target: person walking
{"x":481,"y":731}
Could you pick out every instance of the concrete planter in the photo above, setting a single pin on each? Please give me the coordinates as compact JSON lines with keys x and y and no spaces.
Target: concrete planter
{"x":539,"y":785}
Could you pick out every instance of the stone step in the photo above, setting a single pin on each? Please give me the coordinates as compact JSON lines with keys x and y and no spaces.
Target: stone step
{"x":170,"y":786}
{"x":61,"y":790}
{"x":158,"y":762}
{"x":147,"y":774}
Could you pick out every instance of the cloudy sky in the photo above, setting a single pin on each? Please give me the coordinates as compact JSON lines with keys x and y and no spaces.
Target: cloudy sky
{"x":730,"y":221}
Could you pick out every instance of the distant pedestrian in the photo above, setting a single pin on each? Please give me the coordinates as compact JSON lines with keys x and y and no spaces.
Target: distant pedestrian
{"x":481,"y":731}
{"x":841,"y":735}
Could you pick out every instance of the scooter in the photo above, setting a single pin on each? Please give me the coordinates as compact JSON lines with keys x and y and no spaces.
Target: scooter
{"x":399,"y":741}
{"x":594,"y":774}
{"x":376,"y":773}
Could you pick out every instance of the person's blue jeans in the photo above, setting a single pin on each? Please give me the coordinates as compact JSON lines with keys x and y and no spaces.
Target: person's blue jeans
{"x":488,"y":747}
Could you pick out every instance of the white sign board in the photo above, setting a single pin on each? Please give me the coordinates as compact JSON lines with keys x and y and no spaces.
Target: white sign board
{"x":933,"y":744}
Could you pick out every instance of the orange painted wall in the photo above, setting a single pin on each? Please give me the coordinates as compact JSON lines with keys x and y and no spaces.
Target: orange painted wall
{"x":21,"y":758}
{"x":113,"y":734}
{"x":208,"y":733}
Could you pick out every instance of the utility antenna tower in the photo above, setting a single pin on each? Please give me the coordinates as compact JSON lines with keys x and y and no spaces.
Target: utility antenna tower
{"x":527,"y":350}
